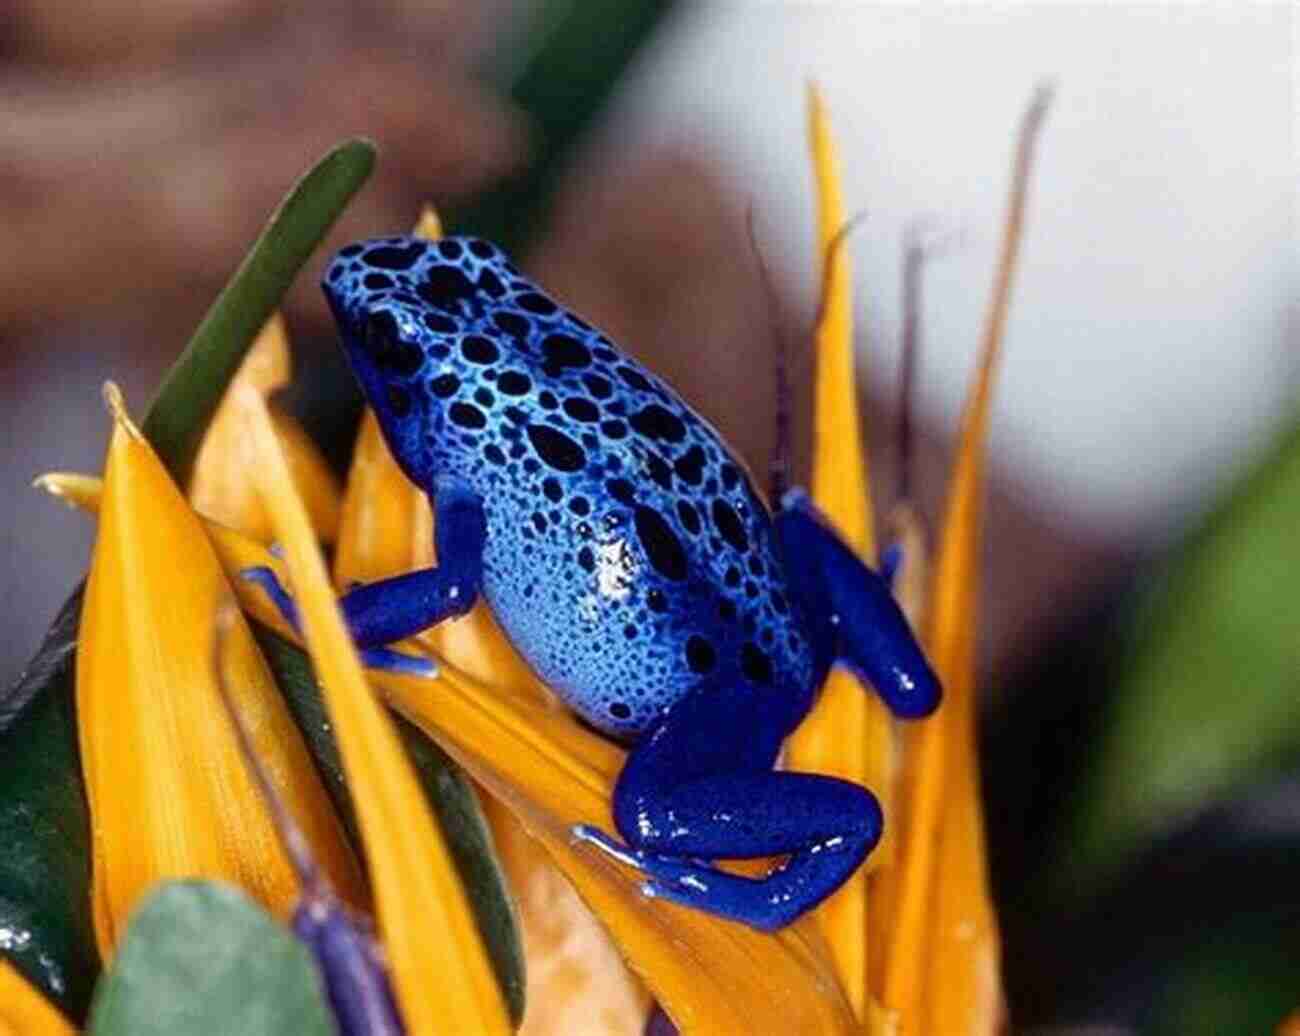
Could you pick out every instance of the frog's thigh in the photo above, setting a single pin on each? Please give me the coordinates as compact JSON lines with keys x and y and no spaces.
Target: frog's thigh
{"x":700,"y":787}
{"x":702,"y":784}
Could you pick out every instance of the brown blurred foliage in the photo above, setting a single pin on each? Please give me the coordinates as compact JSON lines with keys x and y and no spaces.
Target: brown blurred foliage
{"x":146,"y":143}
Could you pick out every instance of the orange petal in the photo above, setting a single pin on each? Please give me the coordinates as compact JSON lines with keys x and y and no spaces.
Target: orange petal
{"x":943,"y":969}
{"x":849,"y":734}
{"x":168,"y":790}
{"x":442,"y":975}
{"x":221,"y":488}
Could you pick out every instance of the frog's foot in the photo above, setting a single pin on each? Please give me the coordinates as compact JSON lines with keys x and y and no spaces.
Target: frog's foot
{"x":852,"y":611}
{"x":398,"y":662}
{"x":616,"y":850}
{"x":265,"y":577}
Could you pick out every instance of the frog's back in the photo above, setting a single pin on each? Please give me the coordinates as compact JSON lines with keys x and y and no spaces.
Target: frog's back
{"x":628,"y":557}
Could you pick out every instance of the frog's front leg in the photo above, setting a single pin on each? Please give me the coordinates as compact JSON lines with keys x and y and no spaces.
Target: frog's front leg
{"x":700,"y":787}
{"x":851,"y":610}
{"x":388,"y":610}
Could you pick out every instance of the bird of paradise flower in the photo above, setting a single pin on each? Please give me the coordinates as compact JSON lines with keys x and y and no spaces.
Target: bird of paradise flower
{"x":908,"y":946}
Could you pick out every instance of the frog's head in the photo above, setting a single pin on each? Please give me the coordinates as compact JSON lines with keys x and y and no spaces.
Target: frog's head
{"x":404,"y":308}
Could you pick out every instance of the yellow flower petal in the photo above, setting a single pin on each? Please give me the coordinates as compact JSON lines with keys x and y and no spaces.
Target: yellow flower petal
{"x":168,"y":791}
{"x":442,"y":976}
{"x":23,"y":1011}
{"x":714,"y":976}
{"x":942,"y":974}
{"x":221,"y":487}
{"x":312,"y":476}
{"x":849,"y":733}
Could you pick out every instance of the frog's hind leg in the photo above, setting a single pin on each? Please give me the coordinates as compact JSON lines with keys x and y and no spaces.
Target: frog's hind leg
{"x":851,"y":609}
{"x":387,"y":610}
{"x":700,"y":787}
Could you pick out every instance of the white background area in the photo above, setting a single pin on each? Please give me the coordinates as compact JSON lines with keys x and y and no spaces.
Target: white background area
{"x":1152,"y":345}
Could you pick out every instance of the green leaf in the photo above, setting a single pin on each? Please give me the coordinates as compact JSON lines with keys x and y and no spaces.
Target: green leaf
{"x":203,"y":959}
{"x":1206,"y":700}
{"x":448,"y":791}
{"x":45,"y":924}
{"x":193,"y":388}
{"x":1238,"y":977}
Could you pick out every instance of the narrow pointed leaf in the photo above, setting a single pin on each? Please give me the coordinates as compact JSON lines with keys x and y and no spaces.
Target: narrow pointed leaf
{"x":193,"y":388}
{"x":442,"y":975}
{"x":203,"y":959}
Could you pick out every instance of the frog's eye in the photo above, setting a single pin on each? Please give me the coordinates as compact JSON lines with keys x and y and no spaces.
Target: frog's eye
{"x":387,"y":350}
{"x":380,"y":336}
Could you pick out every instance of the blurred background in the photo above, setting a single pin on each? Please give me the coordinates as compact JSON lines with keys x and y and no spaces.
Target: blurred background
{"x":1140,"y":636}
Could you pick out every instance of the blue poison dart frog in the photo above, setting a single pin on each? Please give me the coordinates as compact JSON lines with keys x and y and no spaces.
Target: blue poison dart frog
{"x":623,"y":550}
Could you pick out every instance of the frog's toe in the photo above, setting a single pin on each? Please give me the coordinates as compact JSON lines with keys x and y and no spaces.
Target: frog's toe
{"x":399,"y":662}
{"x":265,"y":577}
{"x":587,"y":833}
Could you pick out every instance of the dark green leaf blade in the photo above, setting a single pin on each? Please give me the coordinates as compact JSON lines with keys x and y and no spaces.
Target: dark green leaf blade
{"x":1206,"y":699}
{"x":203,"y":959}
{"x":193,"y":388}
{"x":448,"y":791}
{"x":45,"y":924}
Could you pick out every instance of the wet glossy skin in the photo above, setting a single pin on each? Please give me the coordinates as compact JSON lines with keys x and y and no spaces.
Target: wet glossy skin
{"x":624,"y":552}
